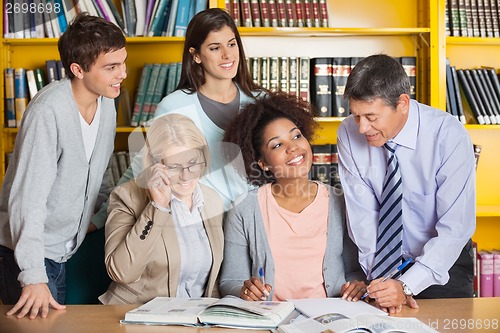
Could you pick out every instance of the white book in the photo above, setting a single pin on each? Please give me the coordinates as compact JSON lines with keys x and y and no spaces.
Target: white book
{"x":229,"y":311}
{"x":140,"y":10}
{"x":30,"y":77}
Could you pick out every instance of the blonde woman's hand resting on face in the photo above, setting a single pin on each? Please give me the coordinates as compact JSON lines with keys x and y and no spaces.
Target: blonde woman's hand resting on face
{"x":159,"y":186}
{"x":254,"y":290}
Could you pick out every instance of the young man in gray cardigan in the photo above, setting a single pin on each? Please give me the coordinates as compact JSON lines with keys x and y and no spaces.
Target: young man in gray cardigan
{"x":61,"y":152}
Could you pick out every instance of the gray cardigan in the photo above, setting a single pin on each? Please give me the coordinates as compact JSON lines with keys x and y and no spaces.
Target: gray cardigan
{"x":50,"y":190}
{"x":246,"y":248}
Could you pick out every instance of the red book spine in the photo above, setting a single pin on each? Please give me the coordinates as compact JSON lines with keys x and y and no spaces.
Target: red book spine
{"x":254,"y":6}
{"x":307,"y":13}
{"x":235,"y":6}
{"x":299,"y":10}
{"x":264,"y":11}
{"x":246,"y":16}
{"x":324,"y":13}
{"x":315,"y":13}
{"x":281,"y":13}
{"x":273,"y":13}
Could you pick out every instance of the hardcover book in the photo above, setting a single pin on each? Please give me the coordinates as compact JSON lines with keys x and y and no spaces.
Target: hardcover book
{"x":21,"y":93}
{"x":229,"y":311}
{"x":10,"y":104}
{"x":460,"y":107}
{"x":486,"y":274}
{"x":321,"y":163}
{"x":322,"y":85}
{"x":341,"y":68}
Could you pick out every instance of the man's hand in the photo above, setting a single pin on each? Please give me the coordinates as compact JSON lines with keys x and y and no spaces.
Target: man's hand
{"x":35,"y":298}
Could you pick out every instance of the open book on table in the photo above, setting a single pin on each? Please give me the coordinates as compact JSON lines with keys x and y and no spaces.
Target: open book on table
{"x":229,"y":311}
{"x":334,"y":315}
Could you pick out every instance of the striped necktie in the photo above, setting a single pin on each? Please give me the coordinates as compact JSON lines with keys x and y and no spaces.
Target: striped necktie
{"x":390,"y":228}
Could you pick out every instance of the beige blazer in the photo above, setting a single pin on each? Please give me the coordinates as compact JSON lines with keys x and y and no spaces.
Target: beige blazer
{"x":144,"y":262}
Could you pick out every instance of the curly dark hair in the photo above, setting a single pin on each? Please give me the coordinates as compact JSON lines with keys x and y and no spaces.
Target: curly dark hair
{"x":247,"y":128}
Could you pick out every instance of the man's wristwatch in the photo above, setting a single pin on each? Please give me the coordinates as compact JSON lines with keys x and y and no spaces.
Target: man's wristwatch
{"x":406,"y":290}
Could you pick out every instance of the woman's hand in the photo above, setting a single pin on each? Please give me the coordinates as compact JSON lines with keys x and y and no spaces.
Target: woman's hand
{"x":254,"y":290}
{"x":159,"y":186}
{"x":353,"y":290}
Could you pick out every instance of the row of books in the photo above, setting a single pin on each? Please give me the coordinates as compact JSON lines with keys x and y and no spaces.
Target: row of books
{"x":50,"y":18}
{"x":473,"y":93}
{"x":156,"y":82}
{"x":329,"y":77}
{"x":23,"y":84}
{"x":488,"y":272}
{"x":472,"y":18}
{"x":325,"y":166}
{"x":118,"y":164}
{"x":278,"y":13}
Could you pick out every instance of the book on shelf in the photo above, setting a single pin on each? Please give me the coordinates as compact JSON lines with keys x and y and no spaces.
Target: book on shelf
{"x":468,"y":17}
{"x":39,"y":78}
{"x":481,"y":17}
{"x":246,"y":14}
{"x":148,"y":97}
{"x":141,"y":94}
{"x":10,"y":102}
{"x":323,"y":11}
{"x":228,"y":311}
{"x":304,"y":78}
{"x":489,"y":117}
{"x":450,"y":92}
{"x":299,"y":13}
{"x":264,"y":72}
{"x":255,"y":13}
{"x":159,"y":17}
{"x":496,"y":273}
{"x":321,"y":85}
{"x":315,"y":11}
{"x":458,"y":95}
{"x":493,"y":101}
{"x":495,"y":82}
{"x":293,"y":76}
{"x":264,"y":12}
{"x":409,"y":64}
{"x":20,"y":93}
{"x":273,"y":73}
{"x":159,"y":91}
{"x":281,"y":13}
{"x":51,"y":71}
{"x":475,"y":292}
{"x":273,"y":13}
{"x":321,"y":163}
{"x":283,"y":75}
{"x":38,"y":20}
{"x":477,"y":153}
{"x":341,"y":68}
{"x":470,"y":96}
{"x":486,"y":273}
{"x":291,"y":13}
{"x":255,"y":64}
{"x":30,"y":78}
{"x":182,"y":18}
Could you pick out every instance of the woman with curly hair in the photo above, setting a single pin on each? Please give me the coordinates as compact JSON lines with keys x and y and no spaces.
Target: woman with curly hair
{"x":291,"y":230}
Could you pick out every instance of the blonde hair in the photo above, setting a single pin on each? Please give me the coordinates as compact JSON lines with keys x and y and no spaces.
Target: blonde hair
{"x":174,"y":130}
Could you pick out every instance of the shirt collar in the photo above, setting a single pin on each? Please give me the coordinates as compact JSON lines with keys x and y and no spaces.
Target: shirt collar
{"x":198,"y":200}
{"x":407,"y":137}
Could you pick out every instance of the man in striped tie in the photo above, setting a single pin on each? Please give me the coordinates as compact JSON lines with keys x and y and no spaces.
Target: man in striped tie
{"x":408,"y":175}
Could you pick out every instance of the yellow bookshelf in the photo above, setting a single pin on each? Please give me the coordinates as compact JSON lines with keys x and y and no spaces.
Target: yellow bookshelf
{"x":357,"y":28}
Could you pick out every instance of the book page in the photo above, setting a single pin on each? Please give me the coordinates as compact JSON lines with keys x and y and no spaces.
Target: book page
{"x":169,"y":310}
{"x":315,"y":307}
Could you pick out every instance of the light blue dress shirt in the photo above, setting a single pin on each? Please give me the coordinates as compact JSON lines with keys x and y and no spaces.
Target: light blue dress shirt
{"x":437,"y":165}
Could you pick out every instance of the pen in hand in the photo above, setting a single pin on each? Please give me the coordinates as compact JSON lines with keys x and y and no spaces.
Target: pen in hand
{"x":263,"y":280}
{"x":391,"y":274}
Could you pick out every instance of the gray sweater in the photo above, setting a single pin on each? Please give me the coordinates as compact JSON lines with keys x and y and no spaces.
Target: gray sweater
{"x":50,"y":190}
{"x":246,"y":248}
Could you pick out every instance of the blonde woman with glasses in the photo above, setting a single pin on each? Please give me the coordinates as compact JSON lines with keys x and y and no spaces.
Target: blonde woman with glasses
{"x":164,"y":229}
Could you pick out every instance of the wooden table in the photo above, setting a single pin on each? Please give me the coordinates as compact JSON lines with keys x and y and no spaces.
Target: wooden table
{"x":445,"y":315}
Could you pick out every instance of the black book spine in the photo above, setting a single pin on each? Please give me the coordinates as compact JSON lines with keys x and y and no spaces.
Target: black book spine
{"x":450,"y":91}
{"x":487,"y":114}
{"x":341,"y":70}
{"x":490,"y":93}
{"x":322,"y":85}
{"x":460,"y":107}
{"x":492,"y":74}
{"x":469,"y":96}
